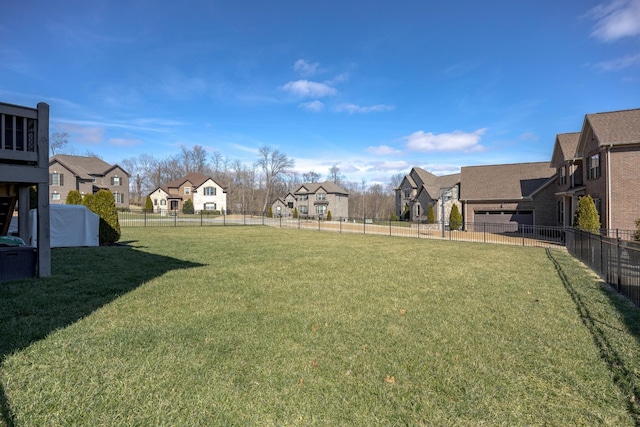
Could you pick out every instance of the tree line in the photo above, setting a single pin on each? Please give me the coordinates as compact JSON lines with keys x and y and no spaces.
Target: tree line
{"x":253,"y":187}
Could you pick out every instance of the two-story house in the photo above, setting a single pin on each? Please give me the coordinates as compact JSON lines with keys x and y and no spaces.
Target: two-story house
{"x":609,"y":146}
{"x":314,"y":200}
{"x":569,"y":176}
{"x":420,"y":189}
{"x":87,"y":175}
{"x":204,"y":192}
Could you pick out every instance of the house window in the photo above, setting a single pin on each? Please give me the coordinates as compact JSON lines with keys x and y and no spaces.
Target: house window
{"x":278,"y":210}
{"x":303,"y":197}
{"x":594,"y":166}
{"x":407,"y":194}
{"x":290,"y":205}
{"x":55,"y":196}
{"x":598,"y":204}
{"x":209,"y":206}
{"x":321,"y":196}
{"x":116,"y":180}
{"x":187,"y":191}
{"x":209,"y":191}
{"x":562,"y":175}
{"x":321,"y":209}
{"x":163,"y":202}
{"x":118,"y":197}
{"x":57,"y":179}
{"x":155,"y":202}
{"x":561,"y":212}
{"x":304,"y":210}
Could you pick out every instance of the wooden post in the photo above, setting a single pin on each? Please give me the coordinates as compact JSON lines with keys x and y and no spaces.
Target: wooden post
{"x":44,"y":237}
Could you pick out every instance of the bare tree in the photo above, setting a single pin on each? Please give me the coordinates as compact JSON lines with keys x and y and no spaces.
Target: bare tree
{"x":335,"y":176}
{"x":139,"y":169}
{"x":311,"y":176}
{"x":193,"y":159}
{"x":275,"y":165}
{"x":58,"y":142}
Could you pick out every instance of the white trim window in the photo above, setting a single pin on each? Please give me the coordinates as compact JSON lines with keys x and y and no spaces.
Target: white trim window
{"x":209,"y":191}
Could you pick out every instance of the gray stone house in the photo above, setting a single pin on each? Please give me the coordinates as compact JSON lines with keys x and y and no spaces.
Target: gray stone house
{"x":87,"y":175}
{"x":314,"y":200}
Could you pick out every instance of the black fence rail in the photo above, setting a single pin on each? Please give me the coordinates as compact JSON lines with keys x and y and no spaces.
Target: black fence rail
{"x":614,"y":259}
{"x":471,"y":232}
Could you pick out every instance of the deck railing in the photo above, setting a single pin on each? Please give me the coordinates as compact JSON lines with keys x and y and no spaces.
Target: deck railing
{"x":18,"y":133}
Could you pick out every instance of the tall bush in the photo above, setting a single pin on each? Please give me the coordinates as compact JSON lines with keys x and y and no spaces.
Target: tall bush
{"x":74,"y":198}
{"x":455,"y":218}
{"x":295,"y":213}
{"x":270,"y":212}
{"x":104,"y":205}
{"x":587,"y":217}
{"x":148,"y":204}
{"x":187,"y":207}
{"x":431,"y":216}
{"x":406,"y":215}
{"x":329,"y":216}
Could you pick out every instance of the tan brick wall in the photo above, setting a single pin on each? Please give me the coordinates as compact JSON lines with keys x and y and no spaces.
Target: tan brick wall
{"x":597,"y":187}
{"x":68,"y":184}
{"x":625,"y":183}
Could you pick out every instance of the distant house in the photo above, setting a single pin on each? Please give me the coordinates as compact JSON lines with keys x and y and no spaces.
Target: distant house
{"x":87,"y":175}
{"x":421,"y":189}
{"x":517,"y":194}
{"x":314,"y":200}
{"x":601,"y":161}
{"x":205,"y":193}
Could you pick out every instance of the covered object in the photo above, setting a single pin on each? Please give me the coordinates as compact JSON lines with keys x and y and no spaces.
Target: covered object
{"x":71,"y":225}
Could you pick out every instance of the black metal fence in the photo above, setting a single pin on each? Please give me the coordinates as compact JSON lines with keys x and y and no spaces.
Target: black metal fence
{"x":614,"y":259}
{"x":523,"y":235}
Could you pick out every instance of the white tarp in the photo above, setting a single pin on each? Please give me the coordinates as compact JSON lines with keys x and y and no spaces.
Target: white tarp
{"x":71,"y":225}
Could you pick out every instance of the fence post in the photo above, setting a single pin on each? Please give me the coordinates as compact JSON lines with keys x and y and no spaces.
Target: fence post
{"x":145,"y":217}
{"x":390,"y":227}
{"x":175,"y":218}
{"x":280,"y":221}
{"x":484,"y":232}
{"x":341,"y":219}
{"x":619,"y":264}
{"x":201,"y":218}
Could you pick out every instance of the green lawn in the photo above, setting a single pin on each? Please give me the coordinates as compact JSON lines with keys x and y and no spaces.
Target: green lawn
{"x":219,"y":326}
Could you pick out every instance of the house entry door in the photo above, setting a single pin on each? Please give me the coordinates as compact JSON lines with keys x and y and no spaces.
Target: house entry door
{"x":174,"y":205}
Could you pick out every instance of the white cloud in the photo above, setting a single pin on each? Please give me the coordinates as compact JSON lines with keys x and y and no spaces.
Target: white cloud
{"x":305,"y":68}
{"x":314,"y":106}
{"x":123,"y":142}
{"x":82,"y":134}
{"x":384,"y":150}
{"x":353,"y":108}
{"x":453,"y":141}
{"x":305,"y":88}
{"x":619,"y":64}
{"x":616,"y":19}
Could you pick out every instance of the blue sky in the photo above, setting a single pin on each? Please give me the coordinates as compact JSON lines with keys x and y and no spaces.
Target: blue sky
{"x":375,"y":87}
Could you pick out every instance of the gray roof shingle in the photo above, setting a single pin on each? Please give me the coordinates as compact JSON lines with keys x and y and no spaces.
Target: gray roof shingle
{"x":503,"y":182}
{"x":616,"y":127}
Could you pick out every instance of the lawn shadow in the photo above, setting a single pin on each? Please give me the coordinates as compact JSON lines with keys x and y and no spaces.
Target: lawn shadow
{"x":82,"y":280}
{"x":623,"y":376}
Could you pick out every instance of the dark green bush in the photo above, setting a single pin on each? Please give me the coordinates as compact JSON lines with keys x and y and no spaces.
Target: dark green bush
{"x":148,"y":205}
{"x":329,"y":216}
{"x":295,"y":213}
{"x":187,"y":207}
{"x":431,"y":216}
{"x":104,"y":205}
{"x":455,"y":218}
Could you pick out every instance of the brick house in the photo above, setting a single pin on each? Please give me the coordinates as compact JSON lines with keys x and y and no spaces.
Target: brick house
{"x":87,"y":175}
{"x":601,"y":160}
{"x":205,"y":193}
{"x":609,"y":146}
{"x":516,"y":194}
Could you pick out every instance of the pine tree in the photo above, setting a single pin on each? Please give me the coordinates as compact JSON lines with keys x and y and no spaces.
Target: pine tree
{"x":406,"y":215}
{"x":455,"y":218}
{"x":295,"y":213}
{"x":431,"y":216}
{"x":329,"y":216}
{"x":74,"y":198}
{"x":587,"y":217}
{"x":270,"y":212}
{"x":187,"y":207}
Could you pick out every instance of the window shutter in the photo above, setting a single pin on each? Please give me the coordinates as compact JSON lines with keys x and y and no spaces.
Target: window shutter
{"x":61,"y":180}
{"x":50,"y":178}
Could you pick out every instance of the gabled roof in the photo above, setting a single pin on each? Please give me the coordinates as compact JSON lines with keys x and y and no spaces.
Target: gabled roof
{"x":504,"y":182}
{"x":83,"y":166}
{"x":611,"y":128}
{"x":195,"y":178}
{"x":313,"y":187}
{"x":423,"y":177}
{"x":432,"y":184}
{"x":565,"y":148}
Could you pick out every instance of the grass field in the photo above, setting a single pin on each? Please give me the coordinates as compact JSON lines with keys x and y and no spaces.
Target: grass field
{"x":262,"y":326}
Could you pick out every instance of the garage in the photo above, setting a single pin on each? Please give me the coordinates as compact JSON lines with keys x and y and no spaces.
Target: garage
{"x":514,"y":218}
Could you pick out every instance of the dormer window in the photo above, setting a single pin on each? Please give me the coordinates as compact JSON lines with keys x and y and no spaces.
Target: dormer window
{"x":594,"y":166}
{"x":187,"y":191}
{"x":321,"y":196}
